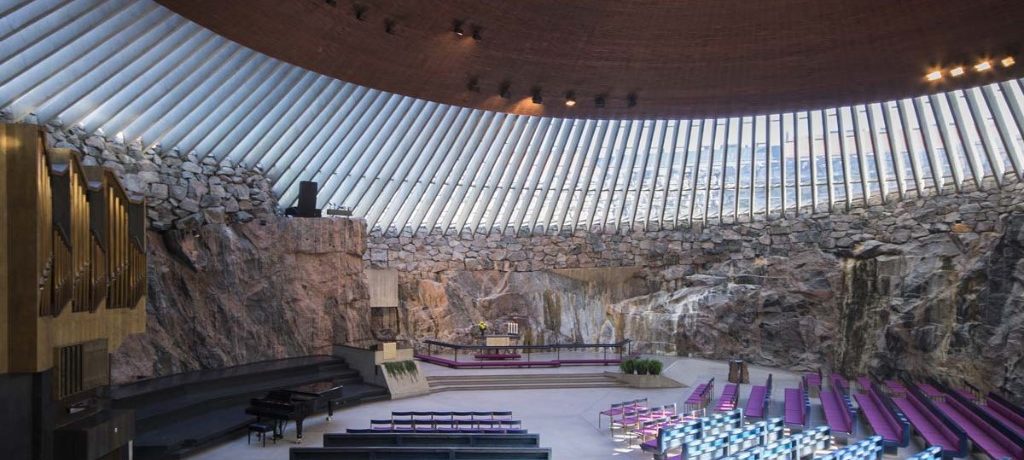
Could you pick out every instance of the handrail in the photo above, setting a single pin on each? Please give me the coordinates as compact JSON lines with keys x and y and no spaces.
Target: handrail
{"x":531,"y":347}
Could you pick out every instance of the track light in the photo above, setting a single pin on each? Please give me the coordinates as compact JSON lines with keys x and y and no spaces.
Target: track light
{"x":570,"y":99}
{"x":956,"y":71}
{"x":457,"y":28}
{"x":537,"y":98}
{"x":360,"y":11}
{"x":599,"y":101}
{"x":983,"y":66}
{"x":473,"y":85}
{"x":631,"y":100}
{"x":476,"y":34}
{"x":389,"y":26}
{"x":1008,"y":61}
{"x":505,"y":90}
{"x":936,"y":75}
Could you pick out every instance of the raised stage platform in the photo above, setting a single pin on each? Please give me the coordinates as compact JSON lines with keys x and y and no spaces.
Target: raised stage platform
{"x":460,"y":356}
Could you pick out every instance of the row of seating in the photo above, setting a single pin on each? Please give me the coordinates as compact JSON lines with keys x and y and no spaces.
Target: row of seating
{"x":1006,"y":412}
{"x":620,"y":408}
{"x":930,"y":424}
{"x":838,"y":408}
{"x":733,"y":441}
{"x":632,"y":420}
{"x":759,"y":400}
{"x":438,"y":444}
{"x":700,"y":397}
{"x":729,"y":399}
{"x":798,"y":405}
{"x":675,"y":436}
{"x":989,"y":435}
{"x":882,"y":415}
{"x":867,"y":449}
{"x":797,"y":446}
{"x":427,"y":425}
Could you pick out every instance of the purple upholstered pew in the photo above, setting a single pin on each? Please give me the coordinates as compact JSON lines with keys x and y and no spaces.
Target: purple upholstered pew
{"x":936,"y":429}
{"x":798,"y":406}
{"x":757,"y":402}
{"x":729,"y":399}
{"x":837,"y":410}
{"x":1006,"y":412}
{"x":985,"y":436}
{"x":885,"y":420}
{"x":896,"y":389}
{"x":700,"y":397}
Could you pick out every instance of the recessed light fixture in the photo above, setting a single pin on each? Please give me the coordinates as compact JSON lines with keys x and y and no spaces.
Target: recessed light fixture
{"x":476,"y":34}
{"x":389,"y":26}
{"x":1008,"y":61}
{"x":570,"y":99}
{"x":505,"y":90}
{"x":331,"y":2}
{"x":936,"y":75}
{"x":457,"y":28}
{"x":631,"y":100}
{"x":956,"y":71}
{"x":537,"y":98}
{"x":983,"y":66}
{"x":599,"y":101}
{"x":473,"y":85}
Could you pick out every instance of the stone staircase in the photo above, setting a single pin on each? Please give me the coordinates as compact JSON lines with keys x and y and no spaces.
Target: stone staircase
{"x":469,"y":382}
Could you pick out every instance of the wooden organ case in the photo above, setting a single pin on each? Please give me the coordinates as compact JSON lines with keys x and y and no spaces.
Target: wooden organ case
{"x":73,"y":286}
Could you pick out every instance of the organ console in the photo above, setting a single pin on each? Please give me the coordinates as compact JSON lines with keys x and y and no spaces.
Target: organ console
{"x":72,"y":287}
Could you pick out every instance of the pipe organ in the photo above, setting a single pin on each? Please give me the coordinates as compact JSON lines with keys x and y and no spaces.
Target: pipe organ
{"x":72,"y":284}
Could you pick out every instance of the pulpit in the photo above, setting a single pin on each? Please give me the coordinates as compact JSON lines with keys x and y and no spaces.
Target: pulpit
{"x":738,"y":371}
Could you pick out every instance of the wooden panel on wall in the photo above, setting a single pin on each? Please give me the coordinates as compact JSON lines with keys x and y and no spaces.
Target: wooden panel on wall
{"x":4,"y":259}
{"x":383,"y":287}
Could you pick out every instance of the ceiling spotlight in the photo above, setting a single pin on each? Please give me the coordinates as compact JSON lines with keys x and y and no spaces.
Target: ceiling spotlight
{"x":1008,"y":61}
{"x":457,"y":28}
{"x":936,"y":75}
{"x":599,"y":101}
{"x":360,"y":11}
{"x":476,"y":34}
{"x":956,"y":71}
{"x":570,"y":99}
{"x":983,"y":66}
{"x":473,"y":85}
{"x":631,"y":100}
{"x":505,"y":90}
{"x":537,"y":98}
{"x":389,"y":26}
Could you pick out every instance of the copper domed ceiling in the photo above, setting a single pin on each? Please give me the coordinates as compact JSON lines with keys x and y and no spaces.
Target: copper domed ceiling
{"x":681,"y":58}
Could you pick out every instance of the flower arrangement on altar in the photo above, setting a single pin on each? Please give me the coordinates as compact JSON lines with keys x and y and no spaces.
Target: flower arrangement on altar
{"x":482,"y":327}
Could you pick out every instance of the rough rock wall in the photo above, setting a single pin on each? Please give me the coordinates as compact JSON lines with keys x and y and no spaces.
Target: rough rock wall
{"x":225,"y":295}
{"x":931,"y":286}
{"x":181,"y":190}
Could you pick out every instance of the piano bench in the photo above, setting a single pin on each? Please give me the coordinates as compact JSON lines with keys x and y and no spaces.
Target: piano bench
{"x":261,"y":429}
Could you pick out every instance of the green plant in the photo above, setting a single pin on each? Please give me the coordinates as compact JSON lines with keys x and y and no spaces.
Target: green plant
{"x":642,"y":367}
{"x":399,"y":368}
{"x":654,"y":367}
{"x":628,"y":366}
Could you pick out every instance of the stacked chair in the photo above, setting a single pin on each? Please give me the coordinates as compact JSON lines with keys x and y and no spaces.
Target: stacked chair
{"x":433,"y":435}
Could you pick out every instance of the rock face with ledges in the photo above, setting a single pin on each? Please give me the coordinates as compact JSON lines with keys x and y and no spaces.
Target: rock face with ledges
{"x":234,"y":294}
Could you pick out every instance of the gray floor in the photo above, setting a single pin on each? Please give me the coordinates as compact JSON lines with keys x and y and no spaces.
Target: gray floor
{"x":566,"y":419}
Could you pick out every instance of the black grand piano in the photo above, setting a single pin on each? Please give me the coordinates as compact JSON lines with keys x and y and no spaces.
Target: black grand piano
{"x":295,"y":404}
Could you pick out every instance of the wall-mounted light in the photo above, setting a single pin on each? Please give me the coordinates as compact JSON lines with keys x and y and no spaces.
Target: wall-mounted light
{"x":1008,"y":61}
{"x":505,"y":90}
{"x":476,"y":34}
{"x":570,"y":99}
{"x":983,"y":66}
{"x":936,"y":75}
{"x":956,"y":71}
{"x":537,"y":98}
{"x":631,"y":100}
{"x":457,"y":28}
{"x":599,"y":101}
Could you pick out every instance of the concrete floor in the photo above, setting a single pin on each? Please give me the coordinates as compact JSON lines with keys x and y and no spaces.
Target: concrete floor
{"x":567,"y":420}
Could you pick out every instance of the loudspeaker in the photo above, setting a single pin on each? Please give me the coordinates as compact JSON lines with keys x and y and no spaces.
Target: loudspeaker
{"x":307,"y":201}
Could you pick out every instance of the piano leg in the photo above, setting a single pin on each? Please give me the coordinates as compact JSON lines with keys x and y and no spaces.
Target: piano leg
{"x":298,"y":429}
{"x":330,"y":409}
